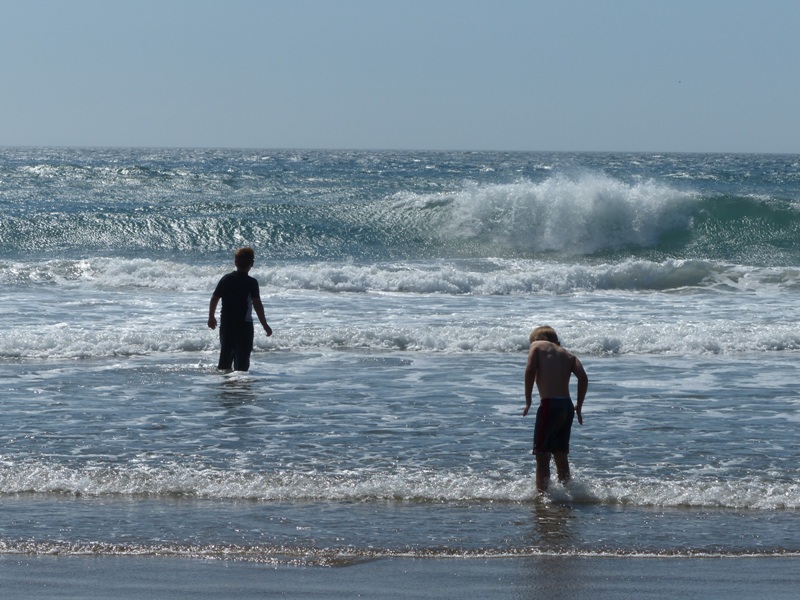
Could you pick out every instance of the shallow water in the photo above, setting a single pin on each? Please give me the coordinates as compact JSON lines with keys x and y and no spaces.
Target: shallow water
{"x":383,"y":418}
{"x":369,"y":454}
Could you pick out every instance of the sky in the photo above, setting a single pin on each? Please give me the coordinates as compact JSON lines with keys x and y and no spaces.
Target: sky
{"x":509,"y":75}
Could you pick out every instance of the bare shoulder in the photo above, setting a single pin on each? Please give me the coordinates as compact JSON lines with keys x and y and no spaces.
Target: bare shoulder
{"x":549,"y":348}
{"x":544,"y":345}
{"x":540,"y":347}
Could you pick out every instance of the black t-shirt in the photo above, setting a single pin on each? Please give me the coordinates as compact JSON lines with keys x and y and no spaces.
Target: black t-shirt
{"x":237,"y":291}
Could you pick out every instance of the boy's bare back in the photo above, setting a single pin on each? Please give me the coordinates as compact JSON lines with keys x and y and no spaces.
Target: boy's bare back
{"x":550,"y":367}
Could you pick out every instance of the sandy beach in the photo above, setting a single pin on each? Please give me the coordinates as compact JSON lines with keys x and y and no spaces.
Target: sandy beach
{"x":591,"y":578}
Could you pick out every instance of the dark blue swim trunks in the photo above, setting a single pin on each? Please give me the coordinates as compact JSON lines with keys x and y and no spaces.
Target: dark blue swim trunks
{"x":553,"y":425}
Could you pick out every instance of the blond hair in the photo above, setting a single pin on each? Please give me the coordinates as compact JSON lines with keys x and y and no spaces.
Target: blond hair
{"x":545,"y":333}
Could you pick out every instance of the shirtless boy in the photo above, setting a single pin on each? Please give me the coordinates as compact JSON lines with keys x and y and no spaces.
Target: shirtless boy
{"x":550,"y":367}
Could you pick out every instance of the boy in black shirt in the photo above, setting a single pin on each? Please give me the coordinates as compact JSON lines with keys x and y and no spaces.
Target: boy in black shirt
{"x":240,"y":297}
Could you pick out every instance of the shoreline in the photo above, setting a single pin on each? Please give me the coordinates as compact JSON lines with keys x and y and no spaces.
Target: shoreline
{"x":589,"y":578}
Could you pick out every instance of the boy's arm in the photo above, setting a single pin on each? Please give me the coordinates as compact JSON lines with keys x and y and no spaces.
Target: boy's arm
{"x":530,"y":378}
{"x":258,"y":306}
{"x":583,"y":387}
{"x":212,"y":310}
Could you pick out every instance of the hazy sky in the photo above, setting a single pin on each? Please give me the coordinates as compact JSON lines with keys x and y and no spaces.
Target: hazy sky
{"x":627,"y":75}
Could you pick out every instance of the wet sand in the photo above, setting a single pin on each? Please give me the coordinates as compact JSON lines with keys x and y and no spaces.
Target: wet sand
{"x":576,"y":578}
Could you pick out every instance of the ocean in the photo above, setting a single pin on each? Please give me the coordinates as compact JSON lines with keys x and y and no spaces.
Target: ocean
{"x":383,"y":418}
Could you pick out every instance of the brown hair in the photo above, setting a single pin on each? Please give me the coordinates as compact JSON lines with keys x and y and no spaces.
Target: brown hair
{"x":244,"y":256}
{"x":545,"y":333}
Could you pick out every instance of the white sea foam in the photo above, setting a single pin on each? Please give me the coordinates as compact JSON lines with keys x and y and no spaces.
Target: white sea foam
{"x":406,"y":486}
{"x":147,"y":336}
{"x":474,"y":277}
{"x":105,"y":307}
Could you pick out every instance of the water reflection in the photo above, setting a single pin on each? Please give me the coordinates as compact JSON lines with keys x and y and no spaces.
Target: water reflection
{"x":554,"y":576}
{"x":236,"y":390}
{"x":552,"y":525}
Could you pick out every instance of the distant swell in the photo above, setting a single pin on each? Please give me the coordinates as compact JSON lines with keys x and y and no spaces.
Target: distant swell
{"x":590,"y":215}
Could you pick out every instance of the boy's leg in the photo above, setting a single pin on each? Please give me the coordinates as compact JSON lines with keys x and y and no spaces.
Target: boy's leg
{"x":542,"y":471}
{"x":226,"y":350}
{"x":562,"y":465}
{"x":244,"y":347}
